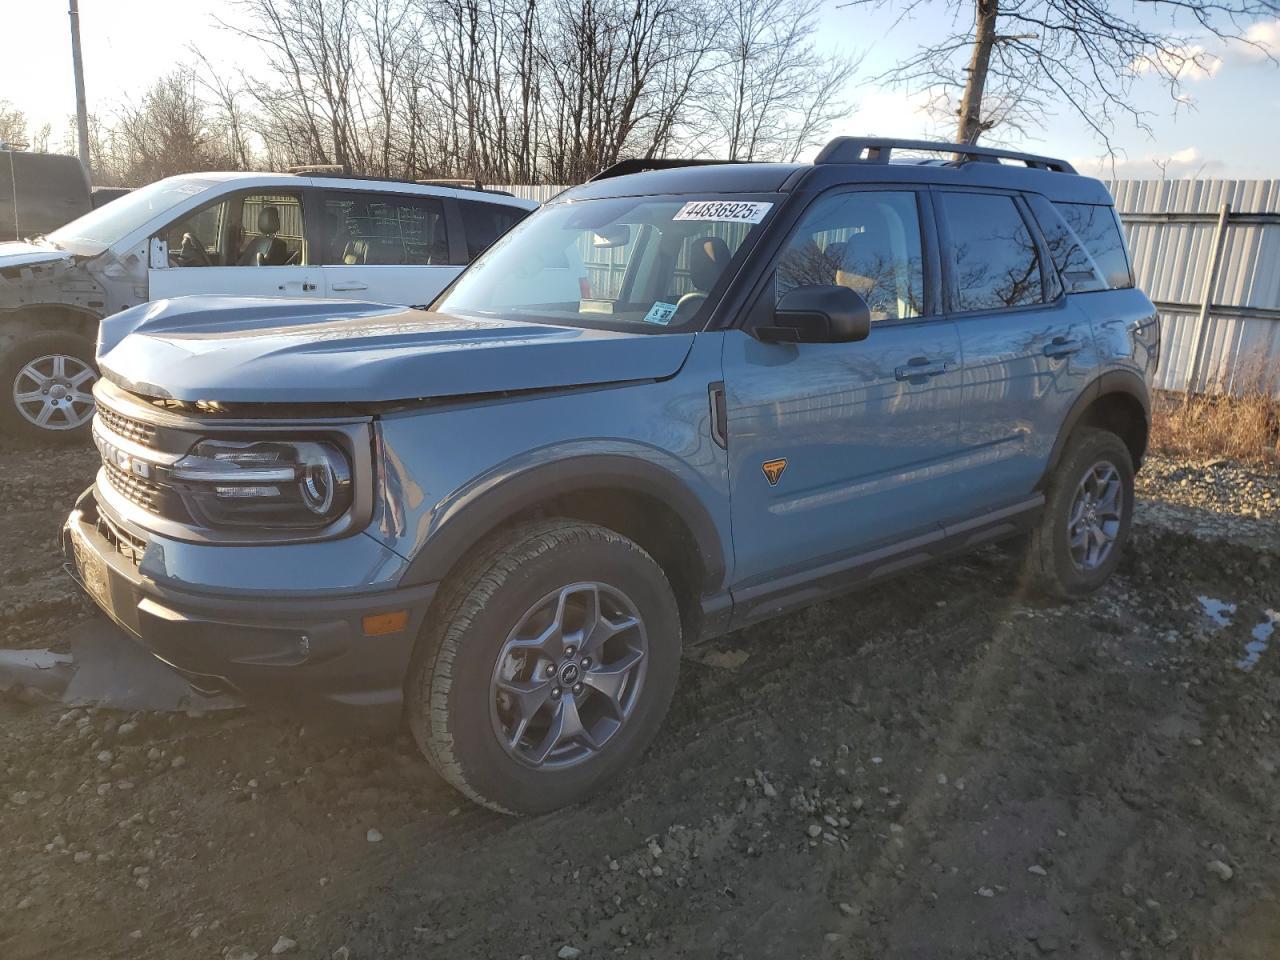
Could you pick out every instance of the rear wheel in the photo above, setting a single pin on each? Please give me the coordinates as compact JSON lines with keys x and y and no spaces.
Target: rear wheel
{"x":1087,"y":516}
{"x":47,"y":382}
{"x":549,"y":666}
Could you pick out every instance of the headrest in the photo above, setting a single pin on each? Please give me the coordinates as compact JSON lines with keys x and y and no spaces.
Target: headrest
{"x":707,"y":259}
{"x":269,"y":220}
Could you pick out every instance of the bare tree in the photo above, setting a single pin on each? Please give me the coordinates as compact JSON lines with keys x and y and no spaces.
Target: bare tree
{"x":499,"y":90}
{"x":1005,"y":63}
{"x":772,"y":94}
{"x":13,"y":124}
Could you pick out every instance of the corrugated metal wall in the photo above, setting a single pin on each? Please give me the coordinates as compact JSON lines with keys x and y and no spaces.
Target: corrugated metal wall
{"x":541,"y":193}
{"x":1172,"y":227}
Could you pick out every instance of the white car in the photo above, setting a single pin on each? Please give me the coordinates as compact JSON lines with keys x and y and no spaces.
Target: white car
{"x":236,"y":234}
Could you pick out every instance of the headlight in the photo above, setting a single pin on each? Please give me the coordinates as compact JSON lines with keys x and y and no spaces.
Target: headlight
{"x":265,"y":483}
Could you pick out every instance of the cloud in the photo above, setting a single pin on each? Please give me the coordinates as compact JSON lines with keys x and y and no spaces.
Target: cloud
{"x":1187,"y":162}
{"x":1260,"y":41}
{"x":1196,"y":61}
{"x":1189,"y":62}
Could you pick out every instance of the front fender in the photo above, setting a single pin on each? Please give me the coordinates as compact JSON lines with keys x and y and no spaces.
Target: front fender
{"x":464,"y":517}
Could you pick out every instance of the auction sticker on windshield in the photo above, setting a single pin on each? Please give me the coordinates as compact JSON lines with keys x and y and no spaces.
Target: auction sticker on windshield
{"x":731,"y":211}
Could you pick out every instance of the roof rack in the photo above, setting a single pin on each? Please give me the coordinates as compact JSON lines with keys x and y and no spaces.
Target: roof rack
{"x":640,"y":164}
{"x":880,"y":149}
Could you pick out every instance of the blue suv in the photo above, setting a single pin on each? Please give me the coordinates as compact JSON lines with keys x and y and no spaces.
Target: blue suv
{"x":680,"y":399}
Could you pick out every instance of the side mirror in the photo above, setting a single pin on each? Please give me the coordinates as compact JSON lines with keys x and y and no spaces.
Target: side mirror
{"x":822,"y":313}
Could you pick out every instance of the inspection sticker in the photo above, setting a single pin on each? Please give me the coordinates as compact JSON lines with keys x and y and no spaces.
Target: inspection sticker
{"x":660,"y":313}
{"x":731,"y":211}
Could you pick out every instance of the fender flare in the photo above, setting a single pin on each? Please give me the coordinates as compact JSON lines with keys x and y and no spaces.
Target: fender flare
{"x":1106,"y":383}
{"x":15,"y":316}
{"x":485,"y":505}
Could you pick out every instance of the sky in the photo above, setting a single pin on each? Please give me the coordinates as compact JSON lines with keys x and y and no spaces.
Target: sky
{"x":1231,"y":127}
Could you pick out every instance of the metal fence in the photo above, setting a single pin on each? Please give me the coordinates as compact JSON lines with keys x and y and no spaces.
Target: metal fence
{"x":1208,"y":253}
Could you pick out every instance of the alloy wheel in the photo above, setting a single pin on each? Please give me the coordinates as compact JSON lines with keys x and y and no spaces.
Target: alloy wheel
{"x":53,"y":392}
{"x":569,"y":675}
{"x":1094,"y":520}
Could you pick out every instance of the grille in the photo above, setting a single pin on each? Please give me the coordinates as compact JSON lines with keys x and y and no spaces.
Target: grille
{"x":144,"y":493}
{"x":125,"y":543}
{"x":135,"y":430}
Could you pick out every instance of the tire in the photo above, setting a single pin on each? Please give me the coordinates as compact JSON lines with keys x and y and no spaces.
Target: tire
{"x":56,"y":360}
{"x":1056,"y":563}
{"x":481,"y":646}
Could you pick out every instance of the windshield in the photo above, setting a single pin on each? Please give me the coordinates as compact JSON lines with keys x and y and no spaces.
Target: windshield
{"x":649,"y":264}
{"x":104,"y":226}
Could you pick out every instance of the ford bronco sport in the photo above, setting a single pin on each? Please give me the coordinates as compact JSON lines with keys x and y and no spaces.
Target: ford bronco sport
{"x":678,"y":400}
{"x":256,"y":234}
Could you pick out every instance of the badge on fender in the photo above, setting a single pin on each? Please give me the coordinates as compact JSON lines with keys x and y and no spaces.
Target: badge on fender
{"x":773,"y":470}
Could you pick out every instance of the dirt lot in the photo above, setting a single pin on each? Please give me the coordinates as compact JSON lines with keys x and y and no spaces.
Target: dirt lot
{"x":937,"y":767}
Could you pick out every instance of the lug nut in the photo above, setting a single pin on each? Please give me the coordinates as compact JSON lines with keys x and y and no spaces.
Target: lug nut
{"x":577,"y":688}
{"x":555,"y":692}
{"x":568,"y":651}
{"x":586,"y":663}
{"x":551,"y":669}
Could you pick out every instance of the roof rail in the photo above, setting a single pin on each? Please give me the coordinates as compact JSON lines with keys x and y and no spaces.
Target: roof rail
{"x":880,"y":149}
{"x":339,"y":172}
{"x":640,"y":164}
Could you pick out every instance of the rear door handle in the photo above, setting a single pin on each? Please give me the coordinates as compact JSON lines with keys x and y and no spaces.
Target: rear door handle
{"x":1062,"y":347}
{"x":343,"y":285}
{"x":923,"y":367}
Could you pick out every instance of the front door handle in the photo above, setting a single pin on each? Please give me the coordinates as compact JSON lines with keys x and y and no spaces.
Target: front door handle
{"x":1062,"y":347}
{"x":923,"y":367}
{"x":344,"y":285}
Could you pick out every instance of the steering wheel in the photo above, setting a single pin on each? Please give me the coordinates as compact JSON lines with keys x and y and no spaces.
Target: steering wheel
{"x":695,"y":298}
{"x":191,"y":254}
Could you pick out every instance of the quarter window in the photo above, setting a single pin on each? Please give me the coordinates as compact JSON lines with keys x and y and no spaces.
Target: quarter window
{"x":1099,"y":230}
{"x":1075,"y":266}
{"x":371,"y":230}
{"x":486,"y":222}
{"x":993,"y":256}
{"x":868,"y":242}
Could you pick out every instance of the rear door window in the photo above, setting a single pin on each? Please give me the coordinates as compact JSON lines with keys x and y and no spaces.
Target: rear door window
{"x":484,"y":223}
{"x":361,"y":229}
{"x":1099,"y":230}
{"x":993,"y":258}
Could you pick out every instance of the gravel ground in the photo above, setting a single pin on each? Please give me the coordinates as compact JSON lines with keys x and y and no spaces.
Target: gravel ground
{"x":936,"y":767}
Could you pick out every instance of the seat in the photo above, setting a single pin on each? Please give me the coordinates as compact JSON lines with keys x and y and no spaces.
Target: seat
{"x":266,"y":250}
{"x":708,"y":256}
{"x":867,"y":269}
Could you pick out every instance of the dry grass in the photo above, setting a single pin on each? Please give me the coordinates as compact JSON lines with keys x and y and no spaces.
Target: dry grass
{"x":1244,"y":426}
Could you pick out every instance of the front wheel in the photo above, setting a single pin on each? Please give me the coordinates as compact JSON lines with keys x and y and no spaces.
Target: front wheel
{"x":548,"y":666}
{"x":47,"y":381}
{"x":1088,"y":512}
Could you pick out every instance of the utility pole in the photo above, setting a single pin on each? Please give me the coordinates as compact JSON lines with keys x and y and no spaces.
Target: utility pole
{"x":82,"y":111}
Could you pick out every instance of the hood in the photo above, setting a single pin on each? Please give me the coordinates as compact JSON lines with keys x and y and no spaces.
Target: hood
{"x":240,"y":350}
{"x":22,"y":254}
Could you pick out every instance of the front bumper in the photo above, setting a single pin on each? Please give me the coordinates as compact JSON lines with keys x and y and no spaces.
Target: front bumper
{"x":301,"y":653}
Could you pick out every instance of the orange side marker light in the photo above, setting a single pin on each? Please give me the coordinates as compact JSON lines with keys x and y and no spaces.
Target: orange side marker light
{"x":380,"y":624}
